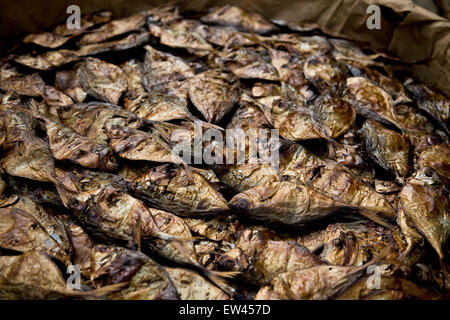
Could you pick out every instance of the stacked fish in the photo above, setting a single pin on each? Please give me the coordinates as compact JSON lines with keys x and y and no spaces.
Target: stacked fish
{"x":357,"y":206}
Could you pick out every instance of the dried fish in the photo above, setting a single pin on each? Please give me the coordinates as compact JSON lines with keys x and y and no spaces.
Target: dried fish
{"x":172,"y":190}
{"x":192,"y":286}
{"x":66,"y":144}
{"x":238,"y":17}
{"x":133,"y":71}
{"x":371,"y":101}
{"x":325,"y":73}
{"x":33,"y":85}
{"x":248,"y":63}
{"x":438,"y":158}
{"x":335,"y":114}
{"x":159,"y":107}
{"x":213,"y":93}
{"x":69,"y":82}
{"x":358,"y":181}
{"x":223,"y":36}
{"x":95,"y":119}
{"x":114,"y":28}
{"x":133,"y":144}
{"x":130,"y":41}
{"x":160,"y":68}
{"x":259,"y":261}
{"x":48,"y":60}
{"x":426,"y":204}
{"x":146,"y":279}
{"x":32,"y":275}
{"x":24,"y":154}
{"x":315,"y":283}
{"x":191,"y":41}
{"x":432,"y":102}
{"x":353,"y":243}
{"x":103,"y":80}
{"x":387,"y":148}
{"x":286,"y":203}
{"x":26,"y":226}
{"x":296,"y":122}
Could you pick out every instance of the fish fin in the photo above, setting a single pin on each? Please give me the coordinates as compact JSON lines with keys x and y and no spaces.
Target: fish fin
{"x":374,"y":216}
{"x":137,"y":235}
{"x":63,"y":193}
{"x":168,"y":237}
{"x":189,"y":173}
{"x":104,"y":290}
{"x":218,"y":278}
{"x":205,"y":124}
{"x":407,"y":251}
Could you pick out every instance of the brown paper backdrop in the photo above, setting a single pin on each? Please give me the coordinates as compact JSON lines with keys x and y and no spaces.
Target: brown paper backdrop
{"x":407,"y":30}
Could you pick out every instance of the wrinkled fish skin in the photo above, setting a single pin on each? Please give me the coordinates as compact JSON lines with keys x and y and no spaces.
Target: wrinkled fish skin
{"x":192,"y":286}
{"x":426,"y":204}
{"x":103,"y":80}
{"x":259,"y":261}
{"x":160,"y":68}
{"x":388,"y":148}
{"x":438,"y":158}
{"x":286,"y":203}
{"x":315,"y":283}
{"x":432,"y":102}
{"x":235,"y":16}
{"x":352,"y":243}
{"x":24,"y":154}
{"x":139,"y":145}
{"x":26,"y":226}
{"x":213,"y":93}
{"x":172,"y":190}
{"x":146,"y":279}
{"x":95,"y":119}
{"x":371,"y":101}
{"x":66,"y":144}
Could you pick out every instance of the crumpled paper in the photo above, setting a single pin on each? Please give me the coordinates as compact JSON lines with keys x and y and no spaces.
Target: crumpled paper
{"x":408,"y":31}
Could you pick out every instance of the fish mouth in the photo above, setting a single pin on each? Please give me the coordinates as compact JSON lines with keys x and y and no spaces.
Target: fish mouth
{"x":240,"y":203}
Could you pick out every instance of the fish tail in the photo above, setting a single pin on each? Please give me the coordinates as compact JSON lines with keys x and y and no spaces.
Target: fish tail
{"x":405,"y":253}
{"x":378,"y":258}
{"x":189,"y":173}
{"x":63,"y":191}
{"x":374,"y":216}
{"x":168,"y":237}
{"x":205,"y":124}
{"x":105,"y":290}
{"x":218,"y":278}
{"x":331,"y":150}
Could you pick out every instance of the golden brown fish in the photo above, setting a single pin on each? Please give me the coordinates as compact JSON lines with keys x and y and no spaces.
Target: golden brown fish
{"x":237,"y":17}
{"x":172,"y":190}
{"x":426,"y":204}
{"x":387,"y":148}
{"x":26,"y":226}
{"x":214,"y":93}
{"x":102,"y":80}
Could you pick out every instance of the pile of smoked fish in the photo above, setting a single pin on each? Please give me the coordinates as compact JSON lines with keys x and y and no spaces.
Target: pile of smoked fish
{"x":357,"y":207}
